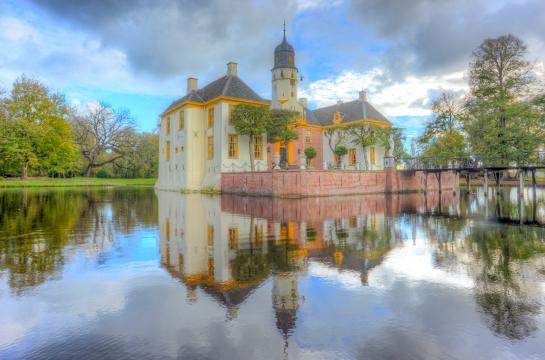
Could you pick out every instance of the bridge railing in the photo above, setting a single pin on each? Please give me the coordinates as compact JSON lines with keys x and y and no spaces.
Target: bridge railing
{"x":532,"y":159}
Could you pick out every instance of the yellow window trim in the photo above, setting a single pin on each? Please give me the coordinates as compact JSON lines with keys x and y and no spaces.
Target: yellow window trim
{"x":232,"y":150}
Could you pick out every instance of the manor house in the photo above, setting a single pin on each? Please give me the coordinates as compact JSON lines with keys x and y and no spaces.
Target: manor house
{"x":198,"y":141}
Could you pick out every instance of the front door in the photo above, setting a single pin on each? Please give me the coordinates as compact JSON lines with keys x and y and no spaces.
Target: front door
{"x":283,"y":156}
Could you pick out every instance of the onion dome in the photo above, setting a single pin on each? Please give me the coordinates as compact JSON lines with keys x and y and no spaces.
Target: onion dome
{"x":284,"y":55}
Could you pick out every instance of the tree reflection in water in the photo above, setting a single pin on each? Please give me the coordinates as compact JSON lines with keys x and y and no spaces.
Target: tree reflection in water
{"x":227,"y":247}
{"x":35,"y":227}
{"x":504,"y":262}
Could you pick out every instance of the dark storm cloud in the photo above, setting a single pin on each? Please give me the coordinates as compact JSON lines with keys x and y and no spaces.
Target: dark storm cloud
{"x":172,"y":36}
{"x":433,"y":36}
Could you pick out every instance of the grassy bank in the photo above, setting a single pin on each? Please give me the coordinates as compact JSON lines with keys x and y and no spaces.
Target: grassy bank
{"x":77,"y":181}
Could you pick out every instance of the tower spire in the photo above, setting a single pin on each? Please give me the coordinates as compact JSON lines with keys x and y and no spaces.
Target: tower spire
{"x":284,"y":29}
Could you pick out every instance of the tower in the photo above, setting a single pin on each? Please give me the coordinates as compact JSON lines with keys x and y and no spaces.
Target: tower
{"x":285,"y":77}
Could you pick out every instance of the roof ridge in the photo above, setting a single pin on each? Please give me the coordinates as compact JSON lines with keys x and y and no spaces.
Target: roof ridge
{"x":335,"y":105}
{"x":227,"y":84}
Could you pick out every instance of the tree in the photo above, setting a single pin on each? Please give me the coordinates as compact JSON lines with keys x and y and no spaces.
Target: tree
{"x":384,"y":134}
{"x":499,"y":79}
{"x":443,"y":136}
{"x":280,"y":127}
{"x":364,"y":135}
{"x":250,"y":120}
{"x":36,"y":135}
{"x":104,"y":136}
{"x":335,"y":135}
{"x":140,"y":163}
{"x":310,"y":153}
{"x":340,"y":151}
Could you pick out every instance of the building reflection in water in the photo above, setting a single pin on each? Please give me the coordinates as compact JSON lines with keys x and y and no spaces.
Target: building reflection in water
{"x":229,"y":245}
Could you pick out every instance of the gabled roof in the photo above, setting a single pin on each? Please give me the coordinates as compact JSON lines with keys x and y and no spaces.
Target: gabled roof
{"x":350,"y":111}
{"x":228,"y":85}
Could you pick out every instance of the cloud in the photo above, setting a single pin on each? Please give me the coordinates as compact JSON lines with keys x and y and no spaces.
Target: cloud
{"x":410,"y":97}
{"x":181,"y":36}
{"x":430,"y":37}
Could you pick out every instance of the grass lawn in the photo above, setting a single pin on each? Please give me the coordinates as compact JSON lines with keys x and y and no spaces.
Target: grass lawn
{"x":77,"y":181}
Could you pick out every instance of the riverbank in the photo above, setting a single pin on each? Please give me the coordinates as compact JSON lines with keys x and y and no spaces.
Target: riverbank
{"x":72,"y":182}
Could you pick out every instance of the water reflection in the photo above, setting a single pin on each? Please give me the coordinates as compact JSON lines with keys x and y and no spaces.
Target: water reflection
{"x":229,"y":245}
{"x":36,"y":226}
{"x":137,"y":274}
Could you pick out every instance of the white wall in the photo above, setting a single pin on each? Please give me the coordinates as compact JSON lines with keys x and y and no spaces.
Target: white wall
{"x":329,"y":157}
{"x":190,"y":169}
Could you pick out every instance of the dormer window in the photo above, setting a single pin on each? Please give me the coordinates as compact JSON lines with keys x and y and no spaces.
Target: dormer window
{"x":337,"y":117}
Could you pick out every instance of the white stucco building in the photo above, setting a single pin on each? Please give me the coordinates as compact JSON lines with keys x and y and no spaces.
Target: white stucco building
{"x":198,"y":142}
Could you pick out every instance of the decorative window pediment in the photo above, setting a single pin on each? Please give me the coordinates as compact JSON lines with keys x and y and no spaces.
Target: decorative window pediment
{"x":337,"y":117}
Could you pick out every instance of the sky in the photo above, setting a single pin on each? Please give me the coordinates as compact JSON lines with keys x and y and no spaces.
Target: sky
{"x":137,"y":54}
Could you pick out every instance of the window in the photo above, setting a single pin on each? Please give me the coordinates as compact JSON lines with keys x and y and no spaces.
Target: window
{"x":258,"y":147}
{"x":352,"y":156}
{"x":372,"y":155}
{"x":233,"y":237}
{"x":210,"y":235}
{"x":308,"y":137}
{"x":181,"y":120}
{"x":210,"y":147}
{"x":291,"y":94}
{"x":233,"y":146}
{"x":210,"y":118}
{"x":230,"y":118}
{"x":259,"y":233}
{"x":167,"y":151}
{"x":168,"y":125}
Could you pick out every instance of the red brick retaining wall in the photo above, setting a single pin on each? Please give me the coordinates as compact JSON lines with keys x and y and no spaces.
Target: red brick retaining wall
{"x":296,"y":183}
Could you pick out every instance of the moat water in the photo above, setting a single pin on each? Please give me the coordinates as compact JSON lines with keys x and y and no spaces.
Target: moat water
{"x":134,"y":273}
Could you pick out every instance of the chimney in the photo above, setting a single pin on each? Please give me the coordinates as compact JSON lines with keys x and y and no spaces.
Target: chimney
{"x":191,"y":84}
{"x":363,"y":95}
{"x":303,"y":102}
{"x":232,"y":68}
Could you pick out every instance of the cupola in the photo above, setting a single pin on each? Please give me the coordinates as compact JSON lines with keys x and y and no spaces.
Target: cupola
{"x":284,"y":55}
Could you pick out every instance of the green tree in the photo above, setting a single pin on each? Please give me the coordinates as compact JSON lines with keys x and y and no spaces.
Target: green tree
{"x":36,"y":136}
{"x":443,"y":135}
{"x":280,"y":127}
{"x":499,"y":120}
{"x":335,"y":135}
{"x":252,"y":121}
{"x":384,"y":134}
{"x":310,"y":153}
{"x":364,"y":135}
{"x":140,"y":163}
{"x":340,"y":151}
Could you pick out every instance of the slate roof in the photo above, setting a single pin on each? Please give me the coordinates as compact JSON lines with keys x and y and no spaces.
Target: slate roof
{"x":350,"y":111}
{"x":228,"y":85}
